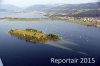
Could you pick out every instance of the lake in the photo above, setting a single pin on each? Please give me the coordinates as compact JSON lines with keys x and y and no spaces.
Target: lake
{"x":79,"y":41}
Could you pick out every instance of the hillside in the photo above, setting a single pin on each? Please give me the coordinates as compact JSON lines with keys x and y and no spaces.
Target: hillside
{"x":8,"y":7}
{"x":40,"y":7}
{"x":89,"y":13}
{"x":87,"y":9}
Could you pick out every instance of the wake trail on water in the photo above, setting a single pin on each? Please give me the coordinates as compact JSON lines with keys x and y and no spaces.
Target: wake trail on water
{"x":67,"y":48}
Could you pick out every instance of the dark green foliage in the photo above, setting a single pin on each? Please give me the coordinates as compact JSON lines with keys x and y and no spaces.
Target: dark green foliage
{"x":34,"y":30}
{"x":28,"y":37}
{"x":41,"y":39}
{"x":52,"y":37}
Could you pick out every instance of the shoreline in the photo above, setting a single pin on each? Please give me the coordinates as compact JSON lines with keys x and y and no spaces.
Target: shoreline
{"x":33,"y":35}
{"x":78,"y":21}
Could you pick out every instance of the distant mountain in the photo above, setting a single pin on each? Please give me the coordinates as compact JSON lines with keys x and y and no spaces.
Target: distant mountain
{"x":79,"y":6}
{"x":8,"y":7}
{"x":40,"y":7}
{"x":89,"y":13}
{"x":77,"y":9}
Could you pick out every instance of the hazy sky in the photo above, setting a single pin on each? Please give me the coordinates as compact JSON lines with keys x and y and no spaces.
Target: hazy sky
{"x":34,"y":2}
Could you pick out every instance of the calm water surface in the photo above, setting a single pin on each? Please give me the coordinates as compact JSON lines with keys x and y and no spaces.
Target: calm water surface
{"x":79,"y":41}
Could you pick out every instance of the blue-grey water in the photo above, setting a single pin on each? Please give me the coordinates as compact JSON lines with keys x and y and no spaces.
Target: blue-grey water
{"x":20,"y":15}
{"x":78,"y":41}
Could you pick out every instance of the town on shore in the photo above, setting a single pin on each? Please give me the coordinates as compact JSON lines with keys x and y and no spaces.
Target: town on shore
{"x":88,"y":21}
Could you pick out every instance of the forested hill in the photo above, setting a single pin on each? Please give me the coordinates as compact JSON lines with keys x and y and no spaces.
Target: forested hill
{"x":78,"y":10}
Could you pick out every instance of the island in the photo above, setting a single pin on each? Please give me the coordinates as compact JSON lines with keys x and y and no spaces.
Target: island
{"x":33,"y":35}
